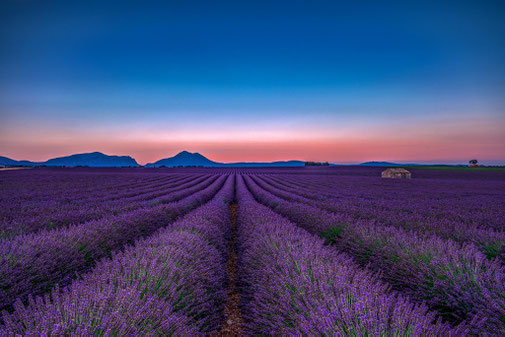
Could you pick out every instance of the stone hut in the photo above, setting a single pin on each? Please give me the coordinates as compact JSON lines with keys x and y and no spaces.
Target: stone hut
{"x":396,"y":173}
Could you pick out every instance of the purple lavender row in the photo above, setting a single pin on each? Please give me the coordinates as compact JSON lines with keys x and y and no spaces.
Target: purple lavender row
{"x":54,"y":193}
{"x":175,"y":181}
{"x":32,"y":184}
{"x":169,"y":182}
{"x":473,"y":203}
{"x":33,"y":264}
{"x":456,"y":280}
{"x":458,"y":191}
{"x":159,"y":184}
{"x":490,"y":242}
{"x":54,"y":215}
{"x":168,"y":284}
{"x":295,"y":285}
{"x":15,"y":207}
{"x":24,"y":251}
{"x":20,"y":202}
{"x":148,"y":193}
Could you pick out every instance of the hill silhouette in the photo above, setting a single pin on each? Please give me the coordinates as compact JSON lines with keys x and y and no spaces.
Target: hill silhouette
{"x":186,"y":158}
{"x":93,"y":159}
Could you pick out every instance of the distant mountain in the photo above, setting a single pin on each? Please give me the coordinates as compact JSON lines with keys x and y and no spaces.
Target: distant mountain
{"x":186,"y":158}
{"x":183,"y":159}
{"x":11,"y":162}
{"x":94,"y":159}
{"x":8,"y":162}
{"x":378,"y":163}
{"x":385,"y":163}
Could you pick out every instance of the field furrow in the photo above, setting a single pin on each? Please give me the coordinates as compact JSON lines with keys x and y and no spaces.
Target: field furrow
{"x":56,"y":214}
{"x":169,"y":283}
{"x":490,"y":242}
{"x":251,"y":251}
{"x":295,"y":285}
{"x":33,"y":264}
{"x":457,"y":281}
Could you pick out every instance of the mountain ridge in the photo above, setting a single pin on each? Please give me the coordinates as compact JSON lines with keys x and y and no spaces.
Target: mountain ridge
{"x":91,"y":159}
{"x":185,"y":158}
{"x":182,"y":159}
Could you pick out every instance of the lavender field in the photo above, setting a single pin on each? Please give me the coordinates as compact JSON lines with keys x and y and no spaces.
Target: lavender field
{"x":252,"y":251}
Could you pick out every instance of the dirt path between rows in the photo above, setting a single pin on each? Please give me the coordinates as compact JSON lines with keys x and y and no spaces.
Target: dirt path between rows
{"x":233,"y":318}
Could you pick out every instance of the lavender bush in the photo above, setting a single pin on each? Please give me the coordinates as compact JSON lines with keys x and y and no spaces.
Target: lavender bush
{"x":21,"y":216}
{"x":456,"y":280}
{"x":33,"y":264}
{"x":294,"y":285}
{"x":168,"y":284}
{"x":321,"y":251}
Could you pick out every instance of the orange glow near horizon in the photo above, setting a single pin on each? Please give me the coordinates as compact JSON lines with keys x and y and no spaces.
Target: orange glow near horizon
{"x":443,"y":142}
{"x":332,"y":150}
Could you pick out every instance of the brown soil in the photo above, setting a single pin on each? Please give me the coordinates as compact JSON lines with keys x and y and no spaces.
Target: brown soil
{"x":232,"y":317}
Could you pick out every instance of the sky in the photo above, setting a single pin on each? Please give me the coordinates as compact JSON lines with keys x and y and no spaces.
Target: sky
{"x":344,"y":82}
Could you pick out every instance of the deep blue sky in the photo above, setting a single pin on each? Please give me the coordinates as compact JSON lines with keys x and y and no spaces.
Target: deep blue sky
{"x":204,"y":74}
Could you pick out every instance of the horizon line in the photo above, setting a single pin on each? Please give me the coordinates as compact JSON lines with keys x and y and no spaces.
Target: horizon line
{"x":425,"y":162}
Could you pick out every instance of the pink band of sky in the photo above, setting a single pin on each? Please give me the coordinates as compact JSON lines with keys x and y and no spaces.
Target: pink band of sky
{"x":430,"y":141}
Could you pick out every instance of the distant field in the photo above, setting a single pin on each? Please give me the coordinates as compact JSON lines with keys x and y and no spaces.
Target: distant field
{"x":259,"y":251}
{"x":456,"y":168}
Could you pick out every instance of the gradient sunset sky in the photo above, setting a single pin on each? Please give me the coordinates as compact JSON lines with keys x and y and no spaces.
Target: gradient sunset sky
{"x":344,"y":82}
